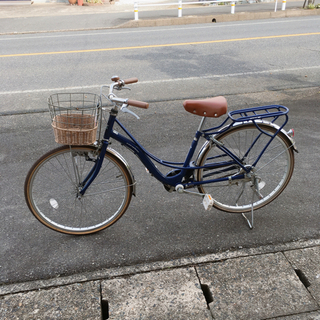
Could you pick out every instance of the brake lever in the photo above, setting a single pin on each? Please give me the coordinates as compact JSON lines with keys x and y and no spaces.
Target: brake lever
{"x":125,"y":109}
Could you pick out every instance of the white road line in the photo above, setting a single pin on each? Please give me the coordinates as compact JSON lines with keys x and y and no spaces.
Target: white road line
{"x":242,"y":74}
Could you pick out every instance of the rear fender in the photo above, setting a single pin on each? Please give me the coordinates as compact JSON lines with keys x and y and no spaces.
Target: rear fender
{"x":285,"y":133}
{"x":208,"y":144}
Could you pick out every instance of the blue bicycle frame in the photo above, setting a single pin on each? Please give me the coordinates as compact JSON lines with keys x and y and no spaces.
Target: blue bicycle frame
{"x":186,"y":168}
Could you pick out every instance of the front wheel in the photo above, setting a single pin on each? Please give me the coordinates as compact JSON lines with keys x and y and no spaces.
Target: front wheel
{"x":268,"y":178}
{"x":52,"y":190}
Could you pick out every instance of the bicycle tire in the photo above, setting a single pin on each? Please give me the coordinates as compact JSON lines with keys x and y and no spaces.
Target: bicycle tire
{"x":274,"y":168}
{"x":51,"y":190}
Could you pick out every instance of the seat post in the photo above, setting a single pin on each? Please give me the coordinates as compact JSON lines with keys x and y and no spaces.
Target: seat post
{"x":202,"y":123}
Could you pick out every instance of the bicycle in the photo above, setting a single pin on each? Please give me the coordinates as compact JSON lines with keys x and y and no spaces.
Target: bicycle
{"x":85,"y":186}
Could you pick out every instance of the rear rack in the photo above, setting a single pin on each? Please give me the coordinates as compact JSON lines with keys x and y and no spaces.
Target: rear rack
{"x":253,"y":115}
{"x":250,"y":114}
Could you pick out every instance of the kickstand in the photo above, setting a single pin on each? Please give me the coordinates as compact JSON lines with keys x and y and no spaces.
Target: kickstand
{"x":250,"y":223}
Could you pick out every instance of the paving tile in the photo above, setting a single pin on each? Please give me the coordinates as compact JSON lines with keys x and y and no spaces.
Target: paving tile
{"x":169,"y":294}
{"x":308,"y":262}
{"x":256,"y":287}
{"x":77,"y":301}
{"x":301,"y":316}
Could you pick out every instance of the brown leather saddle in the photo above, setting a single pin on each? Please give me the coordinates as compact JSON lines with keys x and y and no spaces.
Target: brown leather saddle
{"x":212,"y":107}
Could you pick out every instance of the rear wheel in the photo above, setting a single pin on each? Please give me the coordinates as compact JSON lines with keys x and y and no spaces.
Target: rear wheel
{"x":266,"y":181}
{"x":52,"y":190}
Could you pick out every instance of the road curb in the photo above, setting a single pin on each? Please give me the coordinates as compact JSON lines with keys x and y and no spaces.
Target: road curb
{"x":191,"y":19}
{"x":111,"y":273}
{"x":240,"y":16}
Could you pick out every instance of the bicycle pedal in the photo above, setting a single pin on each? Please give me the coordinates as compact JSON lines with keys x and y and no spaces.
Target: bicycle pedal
{"x":207,"y":202}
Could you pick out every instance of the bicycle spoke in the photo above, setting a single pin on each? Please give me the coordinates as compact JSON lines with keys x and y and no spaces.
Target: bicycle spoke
{"x":59,"y":205}
{"x":247,"y":142}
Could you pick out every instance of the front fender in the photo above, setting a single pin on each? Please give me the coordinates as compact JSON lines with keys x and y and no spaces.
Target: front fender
{"x":125,"y":163}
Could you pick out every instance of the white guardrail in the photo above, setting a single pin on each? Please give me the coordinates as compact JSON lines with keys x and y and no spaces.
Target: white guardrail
{"x":233,"y":4}
{"x":137,"y":5}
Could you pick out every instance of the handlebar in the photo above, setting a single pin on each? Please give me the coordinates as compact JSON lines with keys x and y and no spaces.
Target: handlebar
{"x":130,"y":80}
{"x":125,"y":81}
{"x":139,"y":104}
{"x":118,"y":85}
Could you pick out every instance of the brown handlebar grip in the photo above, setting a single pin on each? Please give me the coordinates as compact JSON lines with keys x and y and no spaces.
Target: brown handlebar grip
{"x":139,"y":104}
{"x":131,"y":80}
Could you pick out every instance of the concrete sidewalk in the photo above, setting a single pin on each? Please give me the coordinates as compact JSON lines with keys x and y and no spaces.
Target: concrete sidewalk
{"x":63,"y":17}
{"x":270,"y":282}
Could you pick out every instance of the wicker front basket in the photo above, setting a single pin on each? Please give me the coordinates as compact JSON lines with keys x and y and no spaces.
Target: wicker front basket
{"x":75,"y":129}
{"x":75,"y":117}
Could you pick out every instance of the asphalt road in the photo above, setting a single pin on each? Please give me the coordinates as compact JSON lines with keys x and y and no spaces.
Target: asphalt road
{"x":252,"y":63}
{"x":171,"y":62}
